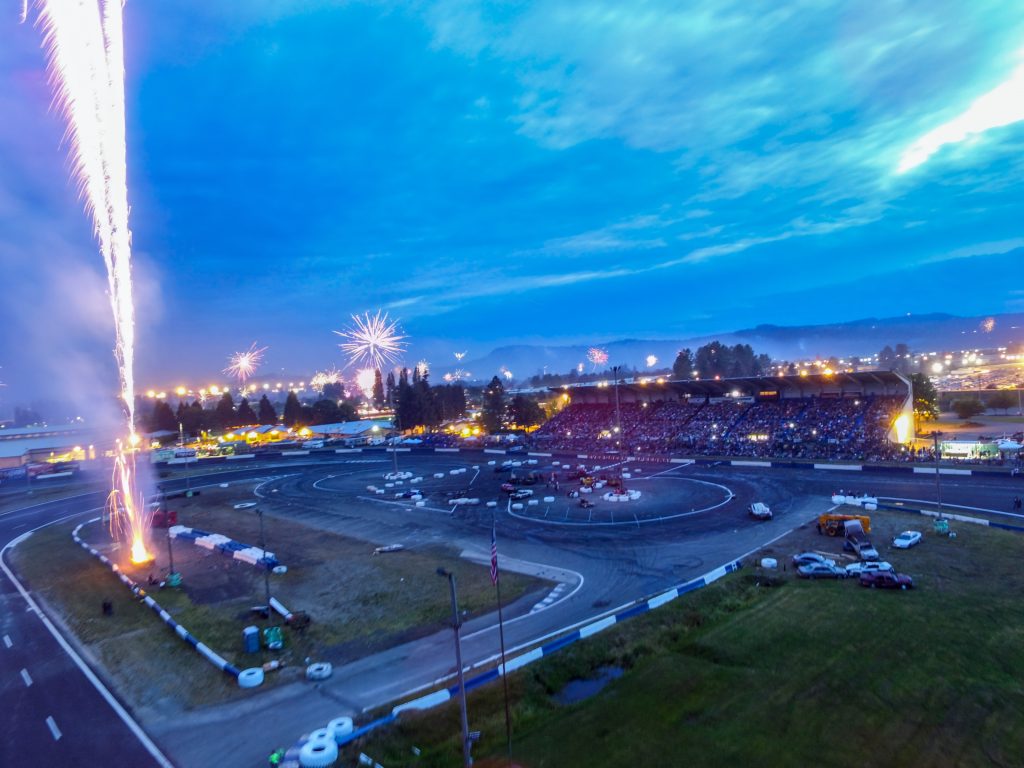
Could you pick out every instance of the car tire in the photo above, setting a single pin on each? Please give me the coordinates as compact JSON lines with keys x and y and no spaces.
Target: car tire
{"x":903,"y":587}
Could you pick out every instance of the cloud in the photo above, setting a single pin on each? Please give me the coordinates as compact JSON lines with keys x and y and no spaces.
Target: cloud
{"x":1002,"y":106}
{"x":992,"y":248}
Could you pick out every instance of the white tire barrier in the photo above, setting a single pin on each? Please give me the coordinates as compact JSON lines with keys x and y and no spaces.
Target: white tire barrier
{"x":532,"y":503}
{"x":417,"y":497}
{"x":340,"y":726}
{"x":626,"y":475}
{"x":476,"y":467}
{"x":280,"y":570}
{"x":389,"y":485}
{"x":769,"y":562}
{"x":585,"y":489}
{"x":549,"y":499}
{"x":320,"y":670}
{"x":250,"y":678}
{"x":491,"y":463}
{"x":318,"y":753}
{"x":379,"y":491}
{"x":371,"y":488}
{"x":417,"y":480}
{"x":517,"y":506}
{"x":421,"y":503}
{"x":492,"y":504}
{"x":438,"y":475}
{"x":870,"y":507}
{"x":246,"y":505}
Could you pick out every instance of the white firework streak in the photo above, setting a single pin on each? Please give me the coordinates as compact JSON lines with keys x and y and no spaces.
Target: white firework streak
{"x":85,"y":49}
{"x":374,"y":341}
{"x":244,"y":364}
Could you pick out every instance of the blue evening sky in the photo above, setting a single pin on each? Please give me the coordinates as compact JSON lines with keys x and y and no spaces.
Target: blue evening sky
{"x":501,"y":172}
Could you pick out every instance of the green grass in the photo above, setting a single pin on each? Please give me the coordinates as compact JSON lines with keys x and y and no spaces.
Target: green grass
{"x":359,"y":603}
{"x":804,"y":674}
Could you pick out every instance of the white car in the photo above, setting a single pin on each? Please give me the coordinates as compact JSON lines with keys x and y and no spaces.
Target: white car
{"x":907,"y":539}
{"x":856,"y":569}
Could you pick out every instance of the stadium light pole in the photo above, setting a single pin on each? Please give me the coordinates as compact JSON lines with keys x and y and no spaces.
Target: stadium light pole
{"x":467,"y":757}
{"x":938,"y":475}
{"x":618,"y":412}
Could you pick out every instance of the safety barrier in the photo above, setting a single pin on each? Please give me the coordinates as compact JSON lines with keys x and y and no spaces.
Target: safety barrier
{"x":436,"y":698}
{"x":222,"y":664}
{"x":217,"y":542}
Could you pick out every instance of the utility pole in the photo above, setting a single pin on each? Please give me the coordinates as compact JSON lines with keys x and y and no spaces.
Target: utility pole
{"x":266,"y":571}
{"x":938,"y":476}
{"x":467,"y":744}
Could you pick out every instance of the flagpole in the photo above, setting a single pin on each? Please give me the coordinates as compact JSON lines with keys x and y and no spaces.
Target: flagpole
{"x":501,"y":636}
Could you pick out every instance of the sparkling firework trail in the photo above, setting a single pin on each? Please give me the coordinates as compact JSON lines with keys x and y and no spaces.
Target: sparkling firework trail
{"x":423,"y":368}
{"x":507,"y":373}
{"x":375,"y":341}
{"x":597,"y":356}
{"x":242,"y":365}
{"x":365,"y":380}
{"x":84,"y":43}
{"x":459,"y":355}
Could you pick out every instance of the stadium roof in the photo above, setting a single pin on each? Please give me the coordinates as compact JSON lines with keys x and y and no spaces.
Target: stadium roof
{"x":751,"y":385}
{"x":350,"y":428}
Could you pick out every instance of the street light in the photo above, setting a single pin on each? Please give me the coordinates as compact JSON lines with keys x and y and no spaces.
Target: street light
{"x":467,"y":744}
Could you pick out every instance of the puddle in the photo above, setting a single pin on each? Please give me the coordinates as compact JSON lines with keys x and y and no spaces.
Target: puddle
{"x":578,"y":690}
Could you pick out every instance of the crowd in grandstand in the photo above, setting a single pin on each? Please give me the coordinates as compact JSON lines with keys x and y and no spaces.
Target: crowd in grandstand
{"x":812,"y":428}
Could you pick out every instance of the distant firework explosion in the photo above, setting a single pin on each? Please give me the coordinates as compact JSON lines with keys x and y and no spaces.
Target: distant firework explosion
{"x":988,"y":324}
{"x":322,"y":378}
{"x":651,"y":361}
{"x":423,"y":368}
{"x":457,"y":375}
{"x":597,"y":356}
{"x":365,"y":380}
{"x":375,"y":341}
{"x":244,"y":364}
{"x":84,"y":43}
{"x":507,"y":373}
{"x":579,"y":368}
{"x":459,"y":355}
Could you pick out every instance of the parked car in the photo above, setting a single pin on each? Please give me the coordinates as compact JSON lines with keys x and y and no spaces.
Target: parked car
{"x":522,"y":493}
{"x":507,"y":487}
{"x":760,"y":511}
{"x":856,"y":569}
{"x":907,"y":539}
{"x":886,"y":580}
{"x":409,"y":493}
{"x":806,"y":558}
{"x":821,"y":571}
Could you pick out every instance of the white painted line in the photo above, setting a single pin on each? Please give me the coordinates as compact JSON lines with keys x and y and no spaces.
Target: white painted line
{"x":7,"y":641}
{"x":54,"y":730}
{"x":26,"y":677}
{"x":127,"y":719}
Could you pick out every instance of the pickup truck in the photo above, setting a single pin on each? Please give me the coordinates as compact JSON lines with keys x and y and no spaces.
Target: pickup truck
{"x":858,"y":541}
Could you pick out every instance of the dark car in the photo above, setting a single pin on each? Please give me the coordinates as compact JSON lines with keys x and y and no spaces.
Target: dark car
{"x":886,"y":580}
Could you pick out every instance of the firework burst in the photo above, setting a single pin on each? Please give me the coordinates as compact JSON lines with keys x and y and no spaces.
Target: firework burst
{"x":459,"y":355}
{"x":323,"y":378}
{"x":597,"y":356}
{"x":365,"y":380}
{"x":423,"y":368}
{"x":242,"y":365}
{"x":375,"y":341}
{"x":652,"y":361}
{"x":507,"y":373}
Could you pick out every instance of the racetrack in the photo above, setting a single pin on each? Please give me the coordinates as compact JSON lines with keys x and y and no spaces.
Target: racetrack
{"x":689,"y":519}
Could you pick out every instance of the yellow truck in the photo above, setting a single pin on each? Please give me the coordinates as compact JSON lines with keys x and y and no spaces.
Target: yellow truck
{"x":834,"y":525}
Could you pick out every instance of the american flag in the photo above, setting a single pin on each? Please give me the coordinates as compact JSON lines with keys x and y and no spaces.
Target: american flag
{"x":494,"y":555}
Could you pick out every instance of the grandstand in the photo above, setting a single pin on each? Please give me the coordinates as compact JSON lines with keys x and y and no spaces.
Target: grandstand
{"x":846,"y":416}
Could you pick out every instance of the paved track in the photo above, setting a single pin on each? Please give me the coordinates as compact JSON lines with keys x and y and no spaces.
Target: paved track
{"x":600,"y":568}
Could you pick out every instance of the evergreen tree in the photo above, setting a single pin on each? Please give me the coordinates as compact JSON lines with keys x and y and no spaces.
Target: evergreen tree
{"x":267,"y":413}
{"x":492,"y":416}
{"x":163,"y":419}
{"x":246,"y":415}
{"x":325,"y":412}
{"x":926,"y":398}
{"x":682,"y":368}
{"x":292,"y":410}
{"x":333,"y":391}
{"x":389,"y":390}
{"x":525,"y":412}
{"x":378,"y":390}
{"x":224,"y":413}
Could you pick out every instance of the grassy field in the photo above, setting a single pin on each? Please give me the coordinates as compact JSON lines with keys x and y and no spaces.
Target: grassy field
{"x":359,"y":603}
{"x":803,"y":673}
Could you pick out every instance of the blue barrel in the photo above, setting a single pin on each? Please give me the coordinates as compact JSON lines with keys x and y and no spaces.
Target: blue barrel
{"x":251,"y":639}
